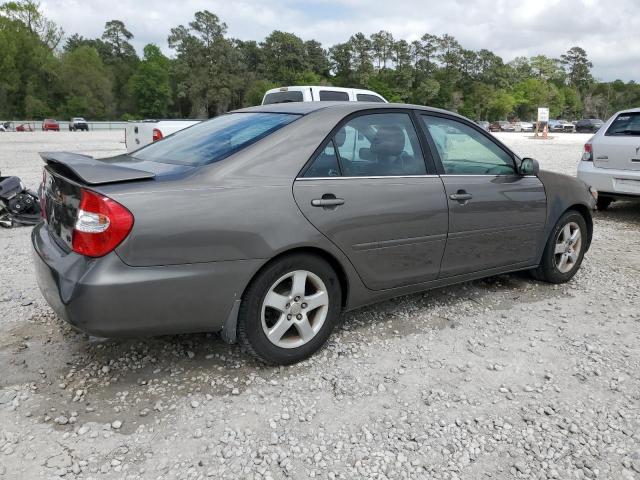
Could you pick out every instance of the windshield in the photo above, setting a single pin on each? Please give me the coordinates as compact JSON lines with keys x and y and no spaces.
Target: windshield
{"x":215,"y":139}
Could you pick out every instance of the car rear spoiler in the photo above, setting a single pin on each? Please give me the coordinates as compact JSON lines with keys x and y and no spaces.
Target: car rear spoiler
{"x":94,"y":171}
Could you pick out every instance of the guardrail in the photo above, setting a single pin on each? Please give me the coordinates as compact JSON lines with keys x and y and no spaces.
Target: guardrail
{"x":37,"y":125}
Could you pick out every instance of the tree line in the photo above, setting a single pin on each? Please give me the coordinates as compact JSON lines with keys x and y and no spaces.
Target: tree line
{"x":45,"y":73}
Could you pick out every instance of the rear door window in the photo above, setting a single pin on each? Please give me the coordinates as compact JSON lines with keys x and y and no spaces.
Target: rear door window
{"x":379,"y":144}
{"x":366,"y":97}
{"x":333,"y":96}
{"x":283,"y":97}
{"x":625,"y":124}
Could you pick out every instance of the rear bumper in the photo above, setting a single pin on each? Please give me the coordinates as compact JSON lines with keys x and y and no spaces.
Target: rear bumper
{"x":607,"y":180}
{"x":106,"y":297}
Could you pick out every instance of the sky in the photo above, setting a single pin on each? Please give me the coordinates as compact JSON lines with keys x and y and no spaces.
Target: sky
{"x":609,"y":30}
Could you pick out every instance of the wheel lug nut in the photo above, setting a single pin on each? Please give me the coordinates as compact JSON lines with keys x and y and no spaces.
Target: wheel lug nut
{"x":287,"y":305}
{"x":289,"y":317}
{"x":299,"y":317}
{"x":297,"y":298}
{"x":304,"y":305}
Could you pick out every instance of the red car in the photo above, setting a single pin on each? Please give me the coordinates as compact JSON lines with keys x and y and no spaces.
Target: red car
{"x":50,"y":124}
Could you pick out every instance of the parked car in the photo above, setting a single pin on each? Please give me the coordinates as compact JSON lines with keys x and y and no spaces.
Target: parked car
{"x":78,"y":123}
{"x":484,"y":125}
{"x":266,"y":223}
{"x":561,"y":126}
{"x":589,"y":125}
{"x":139,"y":134}
{"x":320,"y":94}
{"x":49,"y":124}
{"x":611,"y":158}
{"x":24,"y":127}
{"x":523,"y":127}
{"x":502,"y":126}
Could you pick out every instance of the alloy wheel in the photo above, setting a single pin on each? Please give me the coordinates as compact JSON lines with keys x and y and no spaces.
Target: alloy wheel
{"x":294,"y":309}
{"x":568,"y":246}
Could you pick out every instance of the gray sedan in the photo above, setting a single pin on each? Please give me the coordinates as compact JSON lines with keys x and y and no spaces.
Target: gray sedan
{"x":268,"y":222}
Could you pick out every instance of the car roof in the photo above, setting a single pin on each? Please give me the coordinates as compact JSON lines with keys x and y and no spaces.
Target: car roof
{"x":304,"y":108}
{"x":299,"y":88}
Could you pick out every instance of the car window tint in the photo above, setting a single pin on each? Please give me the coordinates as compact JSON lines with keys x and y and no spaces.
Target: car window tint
{"x":333,"y":95}
{"x":215,"y":139}
{"x":379,"y":144}
{"x":282,"y":97}
{"x":465,"y":151}
{"x":366,"y":97}
{"x":325,"y":164}
{"x":625,"y":124}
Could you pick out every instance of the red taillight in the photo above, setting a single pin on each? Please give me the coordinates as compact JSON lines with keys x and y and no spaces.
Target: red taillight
{"x":157,"y":135}
{"x":587,"y":156}
{"x":101,"y":224}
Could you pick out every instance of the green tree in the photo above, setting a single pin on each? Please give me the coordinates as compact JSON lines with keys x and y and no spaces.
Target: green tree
{"x":27,"y":68}
{"x":86,"y":83}
{"x":150,"y":84}
{"x":207,"y":66}
{"x":28,"y":13}
{"x":284,"y":57}
{"x":578,"y":68}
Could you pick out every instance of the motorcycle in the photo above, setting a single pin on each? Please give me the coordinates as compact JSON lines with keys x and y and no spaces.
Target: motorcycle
{"x":18,"y":205}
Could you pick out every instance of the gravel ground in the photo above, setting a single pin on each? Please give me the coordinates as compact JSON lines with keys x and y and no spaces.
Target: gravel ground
{"x":500,"y":378}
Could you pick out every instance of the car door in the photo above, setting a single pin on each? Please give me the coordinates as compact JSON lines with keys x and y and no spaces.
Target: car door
{"x":619,"y":147}
{"x":496,"y":216}
{"x":368,"y":189}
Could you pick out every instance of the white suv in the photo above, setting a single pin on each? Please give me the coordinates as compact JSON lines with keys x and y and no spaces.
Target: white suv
{"x":611,"y":159}
{"x":320,"y":94}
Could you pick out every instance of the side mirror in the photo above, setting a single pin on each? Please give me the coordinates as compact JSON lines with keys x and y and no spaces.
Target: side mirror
{"x":529,"y":166}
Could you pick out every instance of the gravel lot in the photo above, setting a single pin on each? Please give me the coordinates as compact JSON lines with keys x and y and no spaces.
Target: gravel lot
{"x":500,"y":378}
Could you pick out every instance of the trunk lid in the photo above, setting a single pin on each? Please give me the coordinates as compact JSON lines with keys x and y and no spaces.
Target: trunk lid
{"x":66,"y":174}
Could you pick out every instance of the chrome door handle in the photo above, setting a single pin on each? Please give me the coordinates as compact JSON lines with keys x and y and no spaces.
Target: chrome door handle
{"x":602,"y":157}
{"x":327,"y":202}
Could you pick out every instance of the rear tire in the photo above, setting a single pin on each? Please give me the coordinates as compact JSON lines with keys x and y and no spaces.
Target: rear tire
{"x":564,"y":250}
{"x":604,"y":202}
{"x":289,"y":309}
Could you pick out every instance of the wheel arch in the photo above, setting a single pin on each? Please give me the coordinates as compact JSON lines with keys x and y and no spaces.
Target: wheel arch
{"x":588,"y":218}
{"x":228,"y":332}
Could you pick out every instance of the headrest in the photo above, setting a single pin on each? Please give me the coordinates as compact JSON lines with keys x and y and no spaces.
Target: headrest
{"x":389,"y":141}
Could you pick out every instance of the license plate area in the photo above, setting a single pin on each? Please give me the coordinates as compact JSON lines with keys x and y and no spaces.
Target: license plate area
{"x":627,"y":185}
{"x":61,"y":203}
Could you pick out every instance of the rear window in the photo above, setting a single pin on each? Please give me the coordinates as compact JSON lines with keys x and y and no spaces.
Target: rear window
{"x":333,"y":95}
{"x":625,"y":124}
{"x":282,"y":97}
{"x":215,"y":139}
{"x":366,"y":97}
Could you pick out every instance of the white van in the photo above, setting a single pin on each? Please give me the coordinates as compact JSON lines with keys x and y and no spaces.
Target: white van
{"x":320,"y":94}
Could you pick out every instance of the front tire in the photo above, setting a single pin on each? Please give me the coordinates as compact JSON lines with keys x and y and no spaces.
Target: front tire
{"x":564,"y":250}
{"x":290,"y":309}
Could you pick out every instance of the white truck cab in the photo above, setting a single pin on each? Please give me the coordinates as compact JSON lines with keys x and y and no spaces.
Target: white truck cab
{"x":323,"y":93}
